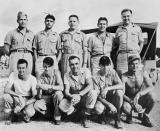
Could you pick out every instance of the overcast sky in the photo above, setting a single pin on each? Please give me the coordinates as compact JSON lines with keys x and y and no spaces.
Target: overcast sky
{"x":89,"y":11}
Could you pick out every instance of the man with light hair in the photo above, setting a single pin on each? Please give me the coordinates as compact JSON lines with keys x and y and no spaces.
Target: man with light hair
{"x":128,"y":41}
{"x":18,"y":43}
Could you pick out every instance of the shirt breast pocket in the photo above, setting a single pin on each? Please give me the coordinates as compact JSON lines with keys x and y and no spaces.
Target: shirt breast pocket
{"x":52,"y":44}
{"x":122,"y":37}
{"x":134,"y":36}
{"x":14,"y":42}
{"x":29,"y":41}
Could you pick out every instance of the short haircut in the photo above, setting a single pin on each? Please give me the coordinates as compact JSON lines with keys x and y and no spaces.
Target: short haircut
{"x":104,"y":61}
{"x":73,"y":57}
{"x":49,"y":61}
{"x":126,"y":10}
{"x":50,"y":16}
{"x":74,"y":16}
{"x":22,"y":61}
{"x":103,"y":18}
{"x":20,"y":13}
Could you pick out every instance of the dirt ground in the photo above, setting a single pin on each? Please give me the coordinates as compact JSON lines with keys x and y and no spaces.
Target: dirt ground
{"x":69,"y":126}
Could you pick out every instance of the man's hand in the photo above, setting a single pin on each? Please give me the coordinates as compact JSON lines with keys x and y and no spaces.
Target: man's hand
{"x":104,"y":93}
{"x":75,"y":99}
{"x":22,"y":101}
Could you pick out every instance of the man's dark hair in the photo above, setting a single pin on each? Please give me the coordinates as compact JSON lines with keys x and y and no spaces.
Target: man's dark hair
{"x":74,"y":16}
{"x":73,"y":57}
{"x":49,"y":61}
{"x":104,"y":61}
{"x":103,"y":18}
{"x":50,"y":16}
{"x":22,"y":61}
{"x":126,"y":10}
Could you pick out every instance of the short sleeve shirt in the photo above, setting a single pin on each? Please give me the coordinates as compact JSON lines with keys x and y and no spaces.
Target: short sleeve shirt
{"x":23,"y":87}
{"x":77,"y":83}
{"x":17,"y":39}
{"x":45,"y":79}
{"x":129,"y":38}
{"x":97,"y":46}
{"x":47,"y":44}
{"x":73,"y":43}
{"x":110,"y":79}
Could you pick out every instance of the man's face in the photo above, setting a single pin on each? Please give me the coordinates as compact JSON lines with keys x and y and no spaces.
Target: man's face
{"x":105,"y":69}
{"x":73,"y":23}
{"x":22,"y":69}
{"x":74,"y":65}
{"x":102,"y":25}
{"x":49,"y":23}
{"x":127,"y":17}
{"x":47,"y":69}
{"x":133,"y":66}
{"x":22,"y":21}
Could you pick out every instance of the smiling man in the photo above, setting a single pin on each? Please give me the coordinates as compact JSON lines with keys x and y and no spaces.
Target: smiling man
{"x":20,"y":93}
{"x":78,"y":90}
{"x":100,"y":44}
{"x":129,"y":41}
{"x":47,"y":43}
{"x":74,"y":43}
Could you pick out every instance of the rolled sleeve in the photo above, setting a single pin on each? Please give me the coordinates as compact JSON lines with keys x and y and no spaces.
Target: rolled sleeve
{"x":8,"y":38}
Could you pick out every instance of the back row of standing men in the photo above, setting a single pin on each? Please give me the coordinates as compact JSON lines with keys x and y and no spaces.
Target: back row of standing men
{"x":21,"y":43}
{"x":71,"y":48}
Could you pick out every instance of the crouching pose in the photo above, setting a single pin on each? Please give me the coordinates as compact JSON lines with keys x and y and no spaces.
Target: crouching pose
{"x":138,"y":92}
{"x":50,"y":87}
{"x":78,"y":90}
{"x":110,"y":90}
{"x":20,"y":93}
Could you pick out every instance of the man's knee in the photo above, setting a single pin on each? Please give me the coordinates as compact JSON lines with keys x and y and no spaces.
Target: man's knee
{"x":58,"y":96}
{"x":127,"y":108}
{"x":99,"y":108}
{"x":30,"y":110}
{"x":150,"y":98}
{"x":7,"y":97}
{"x":119,"y":93}
{"x":91,"y":99}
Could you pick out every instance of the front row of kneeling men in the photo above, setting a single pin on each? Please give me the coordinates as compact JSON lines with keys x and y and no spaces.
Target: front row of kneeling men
{"x":104,"y":93}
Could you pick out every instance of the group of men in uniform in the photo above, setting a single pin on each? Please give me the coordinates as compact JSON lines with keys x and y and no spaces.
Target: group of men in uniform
{"x":102,"y":88}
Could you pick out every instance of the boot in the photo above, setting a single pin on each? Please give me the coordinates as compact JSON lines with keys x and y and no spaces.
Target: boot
{"x":146,"y":121}
{"x":118,"y":123}
{"x":84,"y":120}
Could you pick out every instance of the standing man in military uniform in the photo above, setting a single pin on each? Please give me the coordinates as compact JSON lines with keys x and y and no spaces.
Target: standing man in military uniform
{"x":129,"y":41}
{"x":100,"y":43}
{"x":73,"y":42}
{"x":18,"y":43}
{"x":47,"y":43}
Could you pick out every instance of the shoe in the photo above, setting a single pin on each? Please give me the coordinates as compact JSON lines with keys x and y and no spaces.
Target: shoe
{"x":26,"y":118}
{"x":118,"y":124}
{"x":129,"y":119}
{"x":11,"y":118}
{"x":146,"y":121}
{"x":84,"y":124}
{"x":57,"y":122}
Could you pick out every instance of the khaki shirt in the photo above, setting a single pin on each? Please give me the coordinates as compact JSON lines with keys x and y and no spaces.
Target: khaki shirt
{"x":99,"y":47}
{"x":54,"y":80}
{"x":129,"y":38}
{"x":136,"y":83}
{"x":73,"y":43}
{"x":102,"y":82}
{"x":77,"y":83}
{"x":47,"y":44}
{"x":17,"y":39}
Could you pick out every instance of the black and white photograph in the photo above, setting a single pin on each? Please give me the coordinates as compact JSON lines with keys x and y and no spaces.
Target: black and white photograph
{"x":81,"y":65}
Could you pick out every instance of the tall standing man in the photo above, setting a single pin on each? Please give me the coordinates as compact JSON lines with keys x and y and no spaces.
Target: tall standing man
{"x":129,"y":41}
{"x":100,"y":44}
{"x":20,"y":93}
{"x":18,"y":43}
{"x":73,"y":42}
{"x":47,"y":43}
